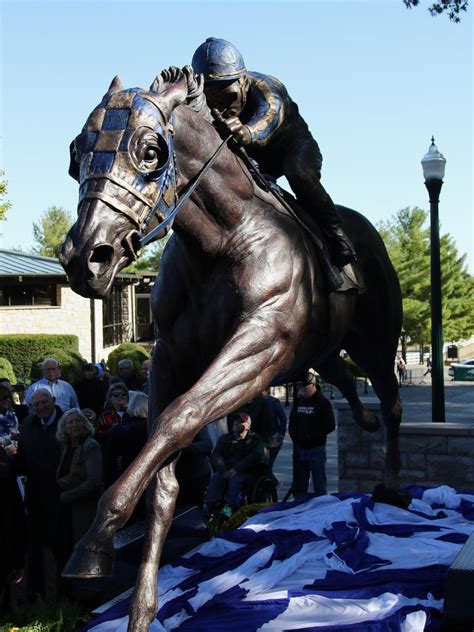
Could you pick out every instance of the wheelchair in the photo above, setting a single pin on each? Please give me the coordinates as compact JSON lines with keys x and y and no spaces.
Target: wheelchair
{"x":260,"y":488}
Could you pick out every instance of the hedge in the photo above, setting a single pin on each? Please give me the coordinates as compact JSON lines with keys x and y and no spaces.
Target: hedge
{"x":129,"y":350}
{"x":60,"y":616}
{"x":70,"y":363}
{"x":23,"y":350}
{"x":6,"y":370}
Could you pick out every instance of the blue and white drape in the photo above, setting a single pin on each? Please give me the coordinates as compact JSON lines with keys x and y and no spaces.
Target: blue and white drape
{"x":332,"y":564}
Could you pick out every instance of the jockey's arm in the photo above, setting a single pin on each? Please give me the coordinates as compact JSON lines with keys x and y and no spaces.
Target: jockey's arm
{"x":269,"y":97}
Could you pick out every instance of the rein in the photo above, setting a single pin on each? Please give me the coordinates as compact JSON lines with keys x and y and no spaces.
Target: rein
{"x":187,"y":192}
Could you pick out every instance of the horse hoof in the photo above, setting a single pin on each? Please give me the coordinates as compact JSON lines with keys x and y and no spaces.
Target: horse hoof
{"x":89,"y":561}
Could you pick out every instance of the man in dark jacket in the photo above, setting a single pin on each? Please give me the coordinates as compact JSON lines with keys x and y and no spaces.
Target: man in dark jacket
{"x":279,"y":422}
{"x":234,"y":458}
{"x":311,"y":420}
{"x":90,"y":390}
{"x":12,"y":529}
{"x":38,"y":458}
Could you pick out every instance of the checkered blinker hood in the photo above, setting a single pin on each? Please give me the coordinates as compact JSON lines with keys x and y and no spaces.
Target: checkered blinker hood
{"x":124,"y":156}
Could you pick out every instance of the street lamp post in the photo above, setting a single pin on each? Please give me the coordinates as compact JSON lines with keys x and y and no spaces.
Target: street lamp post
{"x":434,"y":164}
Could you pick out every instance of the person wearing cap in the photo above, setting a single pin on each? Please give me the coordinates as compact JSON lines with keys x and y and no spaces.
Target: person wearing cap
{"x":262,"y":116}
{"x":311,"y":420}
{"x":234,"y":459}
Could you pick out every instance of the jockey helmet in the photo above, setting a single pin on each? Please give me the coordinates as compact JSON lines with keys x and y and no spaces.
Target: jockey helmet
{"x":218,"y":60}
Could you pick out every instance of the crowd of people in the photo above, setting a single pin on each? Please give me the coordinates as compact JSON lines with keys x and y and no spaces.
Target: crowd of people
{"x":65,"y":443}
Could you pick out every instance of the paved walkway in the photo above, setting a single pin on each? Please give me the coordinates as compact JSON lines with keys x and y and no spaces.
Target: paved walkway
{"x":416,"y":398}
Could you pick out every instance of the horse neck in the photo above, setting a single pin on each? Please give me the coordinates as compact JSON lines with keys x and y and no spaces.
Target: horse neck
{"x":214,"y":211}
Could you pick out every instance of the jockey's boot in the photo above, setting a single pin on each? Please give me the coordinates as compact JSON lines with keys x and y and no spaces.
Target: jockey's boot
{"x":341,"y":248}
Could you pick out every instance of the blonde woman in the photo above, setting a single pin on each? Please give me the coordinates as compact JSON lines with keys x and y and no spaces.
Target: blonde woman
{"x":79,"y":477}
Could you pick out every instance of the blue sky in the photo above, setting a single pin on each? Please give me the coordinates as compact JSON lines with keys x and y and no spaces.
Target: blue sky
{"x":373,"y":80}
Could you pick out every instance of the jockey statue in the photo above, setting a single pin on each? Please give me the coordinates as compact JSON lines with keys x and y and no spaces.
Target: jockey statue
{"x":259,"y":111}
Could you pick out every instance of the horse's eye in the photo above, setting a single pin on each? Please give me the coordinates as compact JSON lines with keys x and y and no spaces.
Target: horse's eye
{"x":151,"y":154}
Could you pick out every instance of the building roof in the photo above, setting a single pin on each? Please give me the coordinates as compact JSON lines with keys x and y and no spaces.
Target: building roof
{"x":17,"y":263}
{"x":24,"y":263}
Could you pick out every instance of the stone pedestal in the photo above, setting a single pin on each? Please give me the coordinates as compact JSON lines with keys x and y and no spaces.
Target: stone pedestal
{"x":431,"y":453}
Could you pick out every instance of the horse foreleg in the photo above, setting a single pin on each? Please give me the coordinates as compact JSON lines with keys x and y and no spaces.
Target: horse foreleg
{"x":259,"y":349}
{"x":144,"y":602}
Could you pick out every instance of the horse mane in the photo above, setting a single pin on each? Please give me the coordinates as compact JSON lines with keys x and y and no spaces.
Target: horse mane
{"x":186,"y":87}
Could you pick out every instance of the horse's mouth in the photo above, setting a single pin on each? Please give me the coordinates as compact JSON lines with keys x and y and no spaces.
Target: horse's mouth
{"x":93,"y":276}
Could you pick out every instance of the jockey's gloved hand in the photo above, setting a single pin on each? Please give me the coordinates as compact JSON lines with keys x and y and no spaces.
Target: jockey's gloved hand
{"x":241,"y":132}
{"x":233,"y":126}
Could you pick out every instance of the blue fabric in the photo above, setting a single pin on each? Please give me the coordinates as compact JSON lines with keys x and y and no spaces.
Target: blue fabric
{"x":400,"y":530}
{"x":392,"y":623}
{"x":336,"y":541}
{"x":415,"y":583}
{"x":351,"y":544}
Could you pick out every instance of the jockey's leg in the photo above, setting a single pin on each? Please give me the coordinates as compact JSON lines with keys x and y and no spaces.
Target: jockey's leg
{"x":302,"y":168}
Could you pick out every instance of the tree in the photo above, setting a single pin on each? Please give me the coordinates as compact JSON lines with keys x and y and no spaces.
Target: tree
{"x":50,"y":232}
{"x":452,"y":7}
{"x":150,"y":258}
{"x":4,"y":203}
{"x":407,"y":239}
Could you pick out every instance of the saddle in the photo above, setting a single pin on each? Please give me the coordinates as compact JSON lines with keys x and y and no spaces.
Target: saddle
{"x":339,"y":279}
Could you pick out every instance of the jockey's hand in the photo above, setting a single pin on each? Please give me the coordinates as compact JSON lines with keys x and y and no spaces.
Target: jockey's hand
{"x":241,"y":132}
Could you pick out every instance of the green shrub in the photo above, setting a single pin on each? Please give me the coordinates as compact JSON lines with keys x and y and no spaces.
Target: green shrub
{"x":6,"y":370}
{"x":241,"y":515}
{"x":129,"y":350}
{"x":23,"y":350}
{"x":70,"y":363}
{"x":64,"y":616}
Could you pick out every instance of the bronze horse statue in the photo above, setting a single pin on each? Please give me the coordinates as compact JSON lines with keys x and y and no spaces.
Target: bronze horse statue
{"x":240,"y":301}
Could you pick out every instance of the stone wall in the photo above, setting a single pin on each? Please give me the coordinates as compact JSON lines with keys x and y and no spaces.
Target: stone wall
{"x":432,"y":454}
{"x":72,"y":316}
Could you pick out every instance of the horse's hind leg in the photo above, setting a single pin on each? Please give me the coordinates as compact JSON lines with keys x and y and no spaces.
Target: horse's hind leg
{"x":144,"y":602}
{"x":377,"y":360}
{"x":335,"y":371}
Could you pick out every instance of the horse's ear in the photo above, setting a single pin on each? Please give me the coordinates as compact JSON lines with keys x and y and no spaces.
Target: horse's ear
{"x":157,"y":83}
{"x":171,"y":88}
{"x":115,"y":86}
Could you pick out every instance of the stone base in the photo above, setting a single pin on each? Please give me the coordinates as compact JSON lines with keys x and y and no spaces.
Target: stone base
{"x":431,"y":454}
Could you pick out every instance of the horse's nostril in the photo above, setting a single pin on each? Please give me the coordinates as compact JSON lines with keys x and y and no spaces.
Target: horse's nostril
{"x":102,"y":254}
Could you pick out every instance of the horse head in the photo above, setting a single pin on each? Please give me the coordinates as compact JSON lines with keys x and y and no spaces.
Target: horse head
{"x":125,"y":165}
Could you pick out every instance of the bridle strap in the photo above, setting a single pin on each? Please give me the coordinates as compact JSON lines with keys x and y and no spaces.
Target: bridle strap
{"x":187,"y":192}
{"x":121,"y":183}
{"x":115,"y":204}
